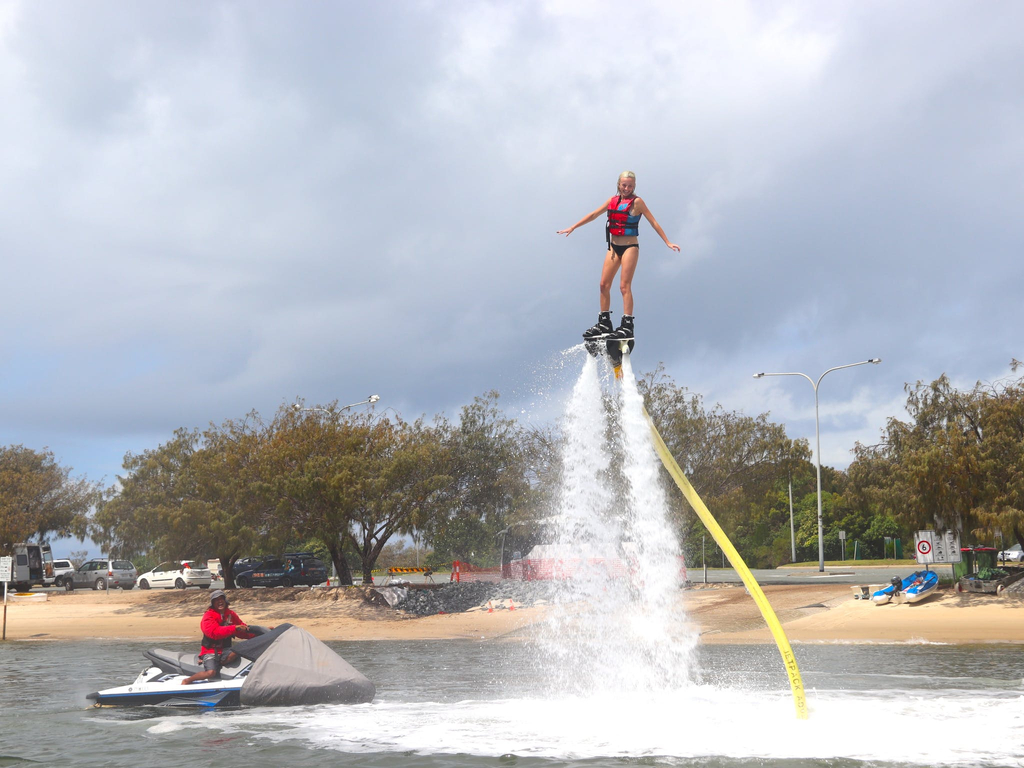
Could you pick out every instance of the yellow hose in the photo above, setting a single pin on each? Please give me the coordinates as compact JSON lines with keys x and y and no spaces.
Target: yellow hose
{"x":795,"y":681}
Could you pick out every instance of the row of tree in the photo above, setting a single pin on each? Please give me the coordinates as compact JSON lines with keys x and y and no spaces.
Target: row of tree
{"x":351,"y":483}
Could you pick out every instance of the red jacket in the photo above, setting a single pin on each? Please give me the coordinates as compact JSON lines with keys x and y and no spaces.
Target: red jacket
{"x":218,"y":630}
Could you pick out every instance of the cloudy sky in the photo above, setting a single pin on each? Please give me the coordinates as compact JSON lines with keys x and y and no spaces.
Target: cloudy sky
{"x":210,"y":207}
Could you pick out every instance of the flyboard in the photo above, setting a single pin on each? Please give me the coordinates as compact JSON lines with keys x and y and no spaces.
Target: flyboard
{"x":616,"y":349}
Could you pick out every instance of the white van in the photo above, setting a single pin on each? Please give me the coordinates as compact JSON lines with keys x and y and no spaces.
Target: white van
{"x":32,"y":564}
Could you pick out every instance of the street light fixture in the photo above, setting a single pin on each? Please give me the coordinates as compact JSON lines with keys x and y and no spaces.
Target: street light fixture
{"x":817,"y":438}
{"x":371,"y":400}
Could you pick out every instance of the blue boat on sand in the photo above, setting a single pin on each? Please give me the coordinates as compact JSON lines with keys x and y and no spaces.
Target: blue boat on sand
{"x":916,"y":587}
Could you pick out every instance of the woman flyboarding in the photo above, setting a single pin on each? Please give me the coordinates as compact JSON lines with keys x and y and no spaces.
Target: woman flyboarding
{"x":624,"y":210}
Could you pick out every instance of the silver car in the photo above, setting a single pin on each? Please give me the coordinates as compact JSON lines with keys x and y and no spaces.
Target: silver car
{"x":103,"y":573}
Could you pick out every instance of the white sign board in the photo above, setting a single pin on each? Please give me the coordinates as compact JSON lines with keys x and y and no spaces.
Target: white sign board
{"x":937,"y":547}
{"x":5,"y":568}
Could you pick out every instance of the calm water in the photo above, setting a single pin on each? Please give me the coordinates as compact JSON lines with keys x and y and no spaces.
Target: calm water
{"x":485,"y":704}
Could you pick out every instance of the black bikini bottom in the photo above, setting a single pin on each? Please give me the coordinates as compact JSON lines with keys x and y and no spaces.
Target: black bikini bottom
{"x":621,"y":249}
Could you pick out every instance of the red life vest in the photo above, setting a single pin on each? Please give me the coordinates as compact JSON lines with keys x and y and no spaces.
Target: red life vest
{"x":620,"y":223}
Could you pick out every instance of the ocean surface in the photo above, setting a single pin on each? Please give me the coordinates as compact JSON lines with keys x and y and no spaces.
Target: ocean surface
{"x":480,"y":703}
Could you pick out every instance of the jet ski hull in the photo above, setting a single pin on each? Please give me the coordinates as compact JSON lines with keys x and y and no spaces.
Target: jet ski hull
{"x":158,"y":688}
{"x":207,"y":699}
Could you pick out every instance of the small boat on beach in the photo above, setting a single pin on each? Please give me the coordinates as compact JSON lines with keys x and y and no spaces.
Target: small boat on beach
{"x":914,"y":588}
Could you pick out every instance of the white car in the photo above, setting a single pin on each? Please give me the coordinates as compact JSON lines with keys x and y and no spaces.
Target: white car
{"x":176,"y":574}
{"x":62,"y":570}
{"x":1012,"y":555}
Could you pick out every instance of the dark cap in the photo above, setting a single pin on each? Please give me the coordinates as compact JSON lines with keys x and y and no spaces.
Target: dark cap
{"x":218,"y":593}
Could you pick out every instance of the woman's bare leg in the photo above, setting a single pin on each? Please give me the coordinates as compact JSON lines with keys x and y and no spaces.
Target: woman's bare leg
{"x":608,"y":270}
{"x":629,"y":260}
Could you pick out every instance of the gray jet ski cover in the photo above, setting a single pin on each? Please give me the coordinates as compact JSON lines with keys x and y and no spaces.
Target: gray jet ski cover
{"x":299,"y":669}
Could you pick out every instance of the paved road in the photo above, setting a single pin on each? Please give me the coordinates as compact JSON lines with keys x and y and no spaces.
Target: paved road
{"x":835,"y":575}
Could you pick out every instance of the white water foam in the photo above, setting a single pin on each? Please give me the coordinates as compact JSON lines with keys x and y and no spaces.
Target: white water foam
{"x":659,"y":561}
{"x":577,"y":643}
{"x":617,"y":626}
{"x":898,"y":728}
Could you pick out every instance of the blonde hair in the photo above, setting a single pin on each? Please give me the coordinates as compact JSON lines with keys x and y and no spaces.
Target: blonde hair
{"x":628,"y":175}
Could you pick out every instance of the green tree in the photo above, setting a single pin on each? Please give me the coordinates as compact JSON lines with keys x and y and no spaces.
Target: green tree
{"x":129,"y":521}
{"x":406,"y":483}
{"x":235,"y":513}
{"x":39,"y":498}
{"x":490,"y":468}
{"x":318,"y":467}
{"x":197,"y":494}
{"x":732,"y":460}
{"x":1002,"y":461}
{"x":958,"y":462}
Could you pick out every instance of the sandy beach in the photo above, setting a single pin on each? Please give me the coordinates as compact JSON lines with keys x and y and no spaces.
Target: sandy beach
{"x":723,"y":614}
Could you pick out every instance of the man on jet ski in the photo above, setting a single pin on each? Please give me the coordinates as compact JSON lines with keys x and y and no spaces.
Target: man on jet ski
{"x":219,"y":625}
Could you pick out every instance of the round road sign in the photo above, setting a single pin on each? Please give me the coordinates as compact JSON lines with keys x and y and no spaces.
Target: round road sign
{"x":924,"y":547}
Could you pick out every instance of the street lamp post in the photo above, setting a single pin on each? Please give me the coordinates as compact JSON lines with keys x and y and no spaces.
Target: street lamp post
{"x":792,"y":529}
{"x":817,"y":439}
{"x":501,"y":557}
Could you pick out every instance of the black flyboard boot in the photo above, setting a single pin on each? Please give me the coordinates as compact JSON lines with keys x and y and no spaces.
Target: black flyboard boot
{"x":621,"y":341}
{"x":600,"y":330}
{"x":625,"y":329}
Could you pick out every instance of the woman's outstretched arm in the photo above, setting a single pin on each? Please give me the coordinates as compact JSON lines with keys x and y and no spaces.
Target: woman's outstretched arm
{"x":585,"y":220}
{"x":654,"y":223}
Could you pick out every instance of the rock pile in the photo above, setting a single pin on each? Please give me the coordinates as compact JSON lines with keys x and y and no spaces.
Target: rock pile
{"x":459,"y":597}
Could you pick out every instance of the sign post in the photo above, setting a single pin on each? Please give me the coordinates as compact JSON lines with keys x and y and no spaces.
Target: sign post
{"x":5,"y":576}
{"x":842,"y":543}
{"x":937,"y":547}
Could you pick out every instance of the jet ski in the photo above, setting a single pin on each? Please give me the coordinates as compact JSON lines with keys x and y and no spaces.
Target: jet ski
{"x":285,"y":666}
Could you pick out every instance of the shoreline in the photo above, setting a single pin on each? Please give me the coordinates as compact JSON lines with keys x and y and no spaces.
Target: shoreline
{"x":723,"y":614}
